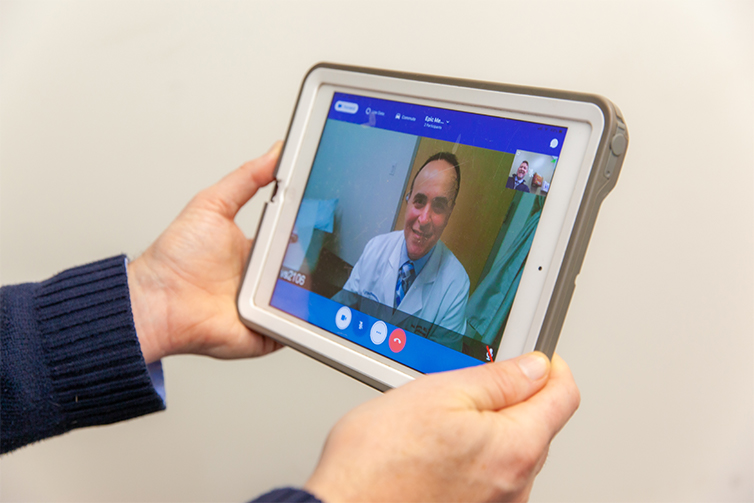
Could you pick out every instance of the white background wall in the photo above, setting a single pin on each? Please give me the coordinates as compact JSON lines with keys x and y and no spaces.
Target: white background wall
{"x":112,"y":114}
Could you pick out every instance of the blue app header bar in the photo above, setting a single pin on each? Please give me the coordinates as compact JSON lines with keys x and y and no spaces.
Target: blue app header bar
{"x":484,"y":131}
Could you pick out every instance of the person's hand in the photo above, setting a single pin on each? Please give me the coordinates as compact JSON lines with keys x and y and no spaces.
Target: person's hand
{"x":477,"y":434}
{"x":183,"y":288}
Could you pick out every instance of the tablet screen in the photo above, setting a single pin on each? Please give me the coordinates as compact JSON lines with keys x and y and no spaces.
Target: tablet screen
{"x":415,"y":227}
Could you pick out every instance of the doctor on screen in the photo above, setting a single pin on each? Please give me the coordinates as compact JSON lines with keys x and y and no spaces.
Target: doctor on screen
{"x":412,"y":270}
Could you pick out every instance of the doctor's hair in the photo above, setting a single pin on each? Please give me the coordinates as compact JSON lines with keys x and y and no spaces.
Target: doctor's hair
{"x":450,"y":159}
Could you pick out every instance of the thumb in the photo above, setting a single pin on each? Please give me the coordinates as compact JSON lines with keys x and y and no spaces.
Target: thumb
{"x":498,"y":385}
{"x":551,"y":408}
{"x":236,"y":188}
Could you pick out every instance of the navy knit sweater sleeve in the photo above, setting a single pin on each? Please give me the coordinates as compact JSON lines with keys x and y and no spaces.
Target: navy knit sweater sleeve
{"x":69,"y":355}
{"x":70,"y":358}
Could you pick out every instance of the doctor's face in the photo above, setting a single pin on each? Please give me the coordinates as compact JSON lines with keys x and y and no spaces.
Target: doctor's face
{"x":429,"y":207}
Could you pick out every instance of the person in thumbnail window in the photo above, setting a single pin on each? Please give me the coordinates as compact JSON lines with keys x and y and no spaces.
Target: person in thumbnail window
{"x":412,"y":270}
{"x":518,"y":181}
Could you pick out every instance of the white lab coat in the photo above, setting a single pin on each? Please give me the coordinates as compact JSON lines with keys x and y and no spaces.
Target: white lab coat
{"x":438,"y":295}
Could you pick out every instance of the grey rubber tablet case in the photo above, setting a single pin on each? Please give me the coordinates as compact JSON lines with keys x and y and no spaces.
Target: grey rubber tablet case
{"x":604,"y":174}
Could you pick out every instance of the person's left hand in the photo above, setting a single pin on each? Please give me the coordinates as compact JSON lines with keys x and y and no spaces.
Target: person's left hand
{"x":183,"y":288}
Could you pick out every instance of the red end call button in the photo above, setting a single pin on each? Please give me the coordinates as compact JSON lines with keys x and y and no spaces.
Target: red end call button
{"x":397,"y":340}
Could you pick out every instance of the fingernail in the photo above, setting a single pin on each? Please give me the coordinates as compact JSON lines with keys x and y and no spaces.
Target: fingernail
{"x":533,"y":365}
{"x":276,"y":147}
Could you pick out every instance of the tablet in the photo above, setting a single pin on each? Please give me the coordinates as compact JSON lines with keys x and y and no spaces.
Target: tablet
{"x":422,"y":224}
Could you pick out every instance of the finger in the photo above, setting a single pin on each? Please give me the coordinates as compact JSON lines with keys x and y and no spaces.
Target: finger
{"x":525,"y":493}
{"x":259,"y":345}
{"x":236,"y":188}
{"x":248,"y":244}
{"x":551,"y":408}
{"x":495,"y":386}
{"x":245,"y":343}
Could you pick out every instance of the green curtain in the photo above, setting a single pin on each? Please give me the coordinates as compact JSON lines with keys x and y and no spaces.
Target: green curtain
{"x":490,"y":304}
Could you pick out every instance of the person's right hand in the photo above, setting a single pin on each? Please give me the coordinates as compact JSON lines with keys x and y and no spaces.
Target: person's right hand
{"x":477,"y":434}
{"x":183,"y":287}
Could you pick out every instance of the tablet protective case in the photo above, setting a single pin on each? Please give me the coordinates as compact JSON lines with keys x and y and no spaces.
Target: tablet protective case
{"x":603,"y":176}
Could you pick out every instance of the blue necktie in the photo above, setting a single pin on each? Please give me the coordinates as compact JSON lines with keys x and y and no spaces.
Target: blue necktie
{"x":406,"y":276}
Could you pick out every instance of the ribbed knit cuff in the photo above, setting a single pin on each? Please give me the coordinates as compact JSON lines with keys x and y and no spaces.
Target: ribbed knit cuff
{"x":287,"y":494}
{"x":97,"y":370}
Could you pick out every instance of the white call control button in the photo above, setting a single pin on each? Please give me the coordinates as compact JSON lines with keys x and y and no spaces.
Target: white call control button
{"x":378,"y":333}
{"x":343,"y":318}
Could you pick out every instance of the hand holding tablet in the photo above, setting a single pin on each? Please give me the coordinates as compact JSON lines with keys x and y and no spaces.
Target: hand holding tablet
{"x":453,"y":214}
{"x":477,"y":434}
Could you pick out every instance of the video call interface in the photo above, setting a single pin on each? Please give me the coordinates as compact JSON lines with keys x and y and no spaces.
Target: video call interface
{"x":415,"y":227}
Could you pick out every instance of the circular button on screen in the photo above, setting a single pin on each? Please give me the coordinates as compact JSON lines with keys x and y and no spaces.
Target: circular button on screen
{"x":378,"y":332}
{"x":397,"y":340}
{"x":343,"y":318}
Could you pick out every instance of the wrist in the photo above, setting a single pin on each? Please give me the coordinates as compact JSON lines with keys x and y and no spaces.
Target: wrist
{"x":146,"y":306}
{"x":321,"y":492}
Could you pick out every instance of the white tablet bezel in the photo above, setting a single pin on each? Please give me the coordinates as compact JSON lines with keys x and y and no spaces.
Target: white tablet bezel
{"x":585,"y":123}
